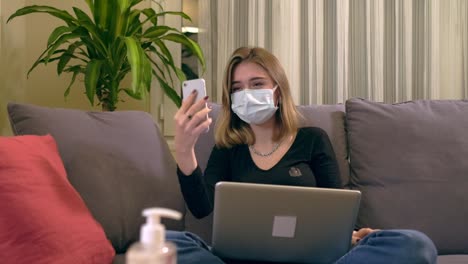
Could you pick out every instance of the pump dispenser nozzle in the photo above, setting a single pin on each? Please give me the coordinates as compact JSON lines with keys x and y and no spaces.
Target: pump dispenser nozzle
{"x":152,"y":247}
{"x":153,"y":232}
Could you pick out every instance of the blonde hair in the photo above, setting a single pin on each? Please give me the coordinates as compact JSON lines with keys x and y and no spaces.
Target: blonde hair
{"x":230,"y":129}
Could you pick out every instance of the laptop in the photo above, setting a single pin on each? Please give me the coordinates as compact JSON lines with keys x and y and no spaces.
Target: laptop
{"x":285,"y":224}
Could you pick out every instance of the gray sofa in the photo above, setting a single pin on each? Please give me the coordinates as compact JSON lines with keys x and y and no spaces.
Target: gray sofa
{"x":410,"y":161}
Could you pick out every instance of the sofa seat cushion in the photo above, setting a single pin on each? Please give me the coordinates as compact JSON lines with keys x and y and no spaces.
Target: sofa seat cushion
{"x":43,"y":219}
{"x":452,"y":259}
{"x":119,"y":259}
{"x":118,"y":161}
{"x":410,"y":162}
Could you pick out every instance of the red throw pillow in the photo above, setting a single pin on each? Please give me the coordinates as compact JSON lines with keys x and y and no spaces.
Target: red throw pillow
{"x":42,"y":217}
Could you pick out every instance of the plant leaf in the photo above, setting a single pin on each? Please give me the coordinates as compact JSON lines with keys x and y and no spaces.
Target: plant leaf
{"x":134,"y":24}
{"x":160,"y":7}
{"x":165,"y":51}
{"x":38,"y":61}
{"x":65,"y":58}
{"x":89,"y":29}
{"x":102,"y":13}
{"x":147,"y":76}
{"x":81,"y":15}
{"x":135,"y":2}
{"x":182,"y":14}
{"x":156,"y":31}
{"x":93,"y":72}
{"x":180,"y":74}
{"x":167,"y":59}
{"x":112,"y":40}
{"x":62,"y":14}
{"x":190,"y":44}
{"x":57,"y":33}
{"x":150,"y":15}
{"x":155,"y":64}
{"x":135,"y":59}
{"x":97,"y":38}
{"x":118,"y":25}
{"x":132,"y":94}
{"x":90,"y":5}
{"x":76,"y":70}
{"x":60,"y":41}
{"x":170,"y":92}
{"x":124,"y":5}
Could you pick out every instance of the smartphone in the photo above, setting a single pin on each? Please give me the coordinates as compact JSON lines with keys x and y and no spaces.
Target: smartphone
{"x":196,"y":84}
{"x":190,"y":85}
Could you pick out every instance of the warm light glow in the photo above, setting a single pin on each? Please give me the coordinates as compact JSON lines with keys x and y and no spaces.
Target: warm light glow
{"x":190,"y":29}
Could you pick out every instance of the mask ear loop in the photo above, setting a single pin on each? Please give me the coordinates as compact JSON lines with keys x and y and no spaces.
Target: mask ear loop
{"x":279,"y":114}
{"x":278,"y":104}
{"x":279,"y":96}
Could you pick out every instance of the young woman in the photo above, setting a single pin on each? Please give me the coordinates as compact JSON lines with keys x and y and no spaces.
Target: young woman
{"x":258,"y":140}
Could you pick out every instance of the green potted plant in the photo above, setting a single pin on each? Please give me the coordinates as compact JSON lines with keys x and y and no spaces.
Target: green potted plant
{"x":114,"y":40}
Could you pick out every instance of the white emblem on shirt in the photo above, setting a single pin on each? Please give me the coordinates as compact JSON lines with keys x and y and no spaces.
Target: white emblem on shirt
{"x":295,"y":172}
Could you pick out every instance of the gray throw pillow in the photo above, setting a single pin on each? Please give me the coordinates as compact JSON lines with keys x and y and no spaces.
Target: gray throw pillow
{"x":410,"y":160}
{"x":118,"y":161}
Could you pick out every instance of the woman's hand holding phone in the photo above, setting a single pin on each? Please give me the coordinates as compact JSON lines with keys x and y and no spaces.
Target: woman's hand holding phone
{"x":191,"y":120}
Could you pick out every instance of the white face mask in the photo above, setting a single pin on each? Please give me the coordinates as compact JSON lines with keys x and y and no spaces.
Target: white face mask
{"x":254,"y":106}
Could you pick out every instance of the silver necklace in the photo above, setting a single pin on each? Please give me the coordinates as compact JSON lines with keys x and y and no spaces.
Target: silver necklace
{"x":275,"y":147}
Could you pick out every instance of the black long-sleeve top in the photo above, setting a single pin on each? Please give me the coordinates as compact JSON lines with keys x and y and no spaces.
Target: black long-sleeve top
{"x":310,"y":161}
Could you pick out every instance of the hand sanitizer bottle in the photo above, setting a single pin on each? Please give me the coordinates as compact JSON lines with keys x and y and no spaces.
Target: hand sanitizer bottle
{"x":152,"y":248}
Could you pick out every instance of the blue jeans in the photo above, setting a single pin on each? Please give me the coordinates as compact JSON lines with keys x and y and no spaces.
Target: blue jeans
{"x":392,"y":246}
{"x":386,"y":246}
{"x":191,"y":249}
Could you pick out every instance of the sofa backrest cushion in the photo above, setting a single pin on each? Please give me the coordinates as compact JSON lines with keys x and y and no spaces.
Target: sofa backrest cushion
{"x":410,"y":162}
{"x":205,"y":143}
{"x":330,"y":118}
{"x":118,"y":161}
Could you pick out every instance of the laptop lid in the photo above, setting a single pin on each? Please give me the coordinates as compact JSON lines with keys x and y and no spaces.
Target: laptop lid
{"x":278,"y":223}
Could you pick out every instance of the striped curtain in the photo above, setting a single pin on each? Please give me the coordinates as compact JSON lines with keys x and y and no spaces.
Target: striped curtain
{"x":464,"y":34}
{"x":383,"y":50}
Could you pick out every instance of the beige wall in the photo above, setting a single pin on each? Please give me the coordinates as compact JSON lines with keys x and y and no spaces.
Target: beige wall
{"x":21,"y":42}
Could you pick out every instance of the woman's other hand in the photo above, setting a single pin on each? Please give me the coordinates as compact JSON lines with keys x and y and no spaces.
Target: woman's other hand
{"x":360,"y":234}
{"x":191,"y":120}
